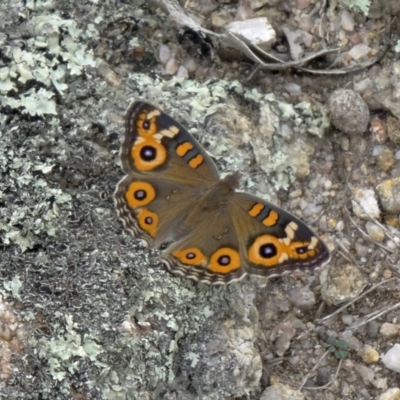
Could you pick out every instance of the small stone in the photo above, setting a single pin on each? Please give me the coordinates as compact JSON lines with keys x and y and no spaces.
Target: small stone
{"x":375,"y":231}
{"x":302,"y":298}
{"x":332,"y":223}
{"x":182,"y":72}
{"x":386,"y":159}
{"x":279,"y":391}
{"x":348,"y":111}
{"x":347,"y":21}
{"x":390,"y":394}
{"x":345,"y":143}
{"x":366,"y":373}
{"x":164,"y":53}
{"x":191,"y":65}
{"x":378,"y":130}
{"x":172,"y":66}
{"x":361,"y":249}
{"x":387,"y":274}
{"x":343,"y":283}
{"x":391,"y":359}
{"x":389,"y":195}
{"x":359,"y":51}
{"x":389,"y":331}
{"x":282,"y":334}
{"x":302,"y":4}
{"x":258,"y":31}
{"x":364,"y":203}
{"x":393,"y":129}
{"x":372,"y":329}
{"x":369,"y":354}
{"x":221,"y":18}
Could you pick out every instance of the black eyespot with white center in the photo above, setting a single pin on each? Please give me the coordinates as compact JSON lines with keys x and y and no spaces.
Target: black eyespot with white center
{"x":148,"y":153}
{"x":224,"y":260}
{"x":302,"y":250}
{"x":268,"y":250}
{"x":190,"y":256}
{"x":146,"y":124}
{"x":140,"y":194}
{"x":148,"y":220}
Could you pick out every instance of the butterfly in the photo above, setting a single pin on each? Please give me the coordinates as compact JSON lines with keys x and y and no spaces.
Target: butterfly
{"x":172,"y":193}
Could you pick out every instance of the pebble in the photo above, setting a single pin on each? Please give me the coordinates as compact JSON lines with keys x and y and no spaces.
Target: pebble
{"x":281,"y":335}
{"x":221,"y":18}
{"x":361,"y":249}
{"x":171,"y":66}
{"x":375,"y":231}
{"x":279,"y":391}
{"x":182,"y":72}
{"x":364,"y":203}
{"x":302,"y":298}
{"x":366,"y":373}
{"x":391,"y":359}
{"x":164,"y":53}
{"x":359,"y":51}
{"x":343,"y":283}
{"x":389,"y":331}
{"x":393,"y":128}
{"x":389,"y":195}
{"x":363,"y":85}
{"x":369,"y":354}
{"x":348,"y":111}
{"x":258,"y":31}
{"x":302,"y":4}
{"x":347,"y":21}
{"x":390,"y":394}
{"x":386,"y":159}
{"x":378,"y":130}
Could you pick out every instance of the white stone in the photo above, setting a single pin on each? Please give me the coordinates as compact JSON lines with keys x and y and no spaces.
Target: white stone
{"x":364,"y":203}
{"x":391,"y":359}
{"x":258,"y":31}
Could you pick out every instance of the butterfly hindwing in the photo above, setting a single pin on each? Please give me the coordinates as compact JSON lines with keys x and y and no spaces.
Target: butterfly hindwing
{"x":274,"y":241}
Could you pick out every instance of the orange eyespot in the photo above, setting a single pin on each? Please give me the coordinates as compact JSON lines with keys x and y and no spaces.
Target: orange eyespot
{"x":146,"y":124}
{"x":300,"y":250}
{"x":148,"y":154}
{"x":148,"y":221}
{"x":267,"y":250}
{"x":139,"y":194}
{"x":191,"y":256}
{"x":224,"y":260}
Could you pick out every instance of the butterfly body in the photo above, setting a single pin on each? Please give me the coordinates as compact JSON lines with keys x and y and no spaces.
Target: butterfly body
{"x":173,"y":193}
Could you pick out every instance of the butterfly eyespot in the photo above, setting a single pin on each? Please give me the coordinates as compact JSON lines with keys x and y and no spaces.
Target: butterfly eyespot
{"x":148,"y":221}
{"x":191,"y":256}
{"x":139,"y":194}
{"x":148,"y":153}
{"x":224,"y":260}
{"x":268,"y":250}
{"x":146,"y":124}
{"x":302,"y":250}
